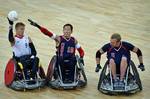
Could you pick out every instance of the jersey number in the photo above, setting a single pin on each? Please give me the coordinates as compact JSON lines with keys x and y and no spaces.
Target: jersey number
{"x":70,"y":50}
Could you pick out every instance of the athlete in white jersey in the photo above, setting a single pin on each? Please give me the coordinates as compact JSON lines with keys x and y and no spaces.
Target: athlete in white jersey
{"x":23,"y":48}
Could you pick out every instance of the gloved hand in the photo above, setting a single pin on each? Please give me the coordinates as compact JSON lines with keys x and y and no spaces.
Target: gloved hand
{"x":10,"y":22}
{"x":34,"y":23}
{"x":98,"y":67}
{"x":81,"y":60}
{"x":141,"y":66}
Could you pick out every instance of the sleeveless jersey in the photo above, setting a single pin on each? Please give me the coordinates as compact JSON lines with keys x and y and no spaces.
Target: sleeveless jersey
{"x":21,"y":46}
{"x":66,"y":48}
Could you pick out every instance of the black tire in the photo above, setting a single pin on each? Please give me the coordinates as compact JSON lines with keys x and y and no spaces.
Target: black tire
{"x":50,"y":70}
{"x":136,"y":75}
{"x":81,"y":66}
{"x":83,"y":73}
{"x":102,"y":75}
{"x":42,"y":73}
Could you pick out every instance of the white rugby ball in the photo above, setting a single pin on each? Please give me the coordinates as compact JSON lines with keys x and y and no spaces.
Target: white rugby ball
{"x":13,"y":16}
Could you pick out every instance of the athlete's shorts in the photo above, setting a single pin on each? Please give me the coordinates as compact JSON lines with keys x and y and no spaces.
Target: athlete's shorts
{"x":118,"y":62}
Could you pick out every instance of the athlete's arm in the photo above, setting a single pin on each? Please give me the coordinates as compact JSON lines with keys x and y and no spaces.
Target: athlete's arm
{"x":100,"y":52}
{"x":98,"y":56}
{"x":139,"y":55}
{"x":44,"y":30}
{"x":137,"y":51}
{"x":32,"y":47}
{"x":10,"y":34}
{"x":80,"y":49}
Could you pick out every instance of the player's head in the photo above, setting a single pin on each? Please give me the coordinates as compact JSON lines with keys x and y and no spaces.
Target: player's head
{"x":115,"y":39}
{"x":67,"y":30}
{"x":20,"y":27}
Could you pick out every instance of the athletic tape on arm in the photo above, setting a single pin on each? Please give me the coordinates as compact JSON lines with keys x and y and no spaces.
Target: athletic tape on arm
{"x":78,"y":45}
{"x":53,"y":36}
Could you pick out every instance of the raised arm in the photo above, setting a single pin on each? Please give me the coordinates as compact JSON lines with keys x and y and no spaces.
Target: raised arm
{"x":10,"y":34}
{"x":44,"y":30}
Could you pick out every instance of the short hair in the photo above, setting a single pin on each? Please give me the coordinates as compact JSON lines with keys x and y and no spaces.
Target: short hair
{"x":19,"y":24}
{"x":68,"y":25}
{"x":116,"y":36}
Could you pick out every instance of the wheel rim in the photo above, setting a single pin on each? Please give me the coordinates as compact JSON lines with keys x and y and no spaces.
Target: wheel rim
{"x":9,"y":72}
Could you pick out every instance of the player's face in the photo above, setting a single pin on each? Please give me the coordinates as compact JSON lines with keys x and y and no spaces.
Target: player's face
{"x":114,"y":42}
{"x":67,"y":31}
{"x":20,"y":30}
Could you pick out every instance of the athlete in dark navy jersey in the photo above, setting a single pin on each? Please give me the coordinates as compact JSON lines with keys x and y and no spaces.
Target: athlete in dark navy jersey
{"x":65,"y":44}
{"x":118,"y":55}
{"x":66,"y":47}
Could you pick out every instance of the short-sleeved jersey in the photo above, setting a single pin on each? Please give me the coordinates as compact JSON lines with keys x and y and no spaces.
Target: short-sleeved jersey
{"x":117,"y":53}
{"x":66,"y":48}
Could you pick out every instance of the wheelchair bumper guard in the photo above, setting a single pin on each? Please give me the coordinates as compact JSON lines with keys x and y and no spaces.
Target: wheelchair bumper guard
{"x":27,"y":84}
{"x":57,"y":84}
{"x":130,"y":88}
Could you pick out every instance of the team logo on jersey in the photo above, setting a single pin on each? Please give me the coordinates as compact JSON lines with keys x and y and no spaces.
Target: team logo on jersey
{"x":113,"y":55}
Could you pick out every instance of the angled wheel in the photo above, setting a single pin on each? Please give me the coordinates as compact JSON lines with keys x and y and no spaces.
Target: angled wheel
{"x":42,"y":73}
{"x":10,"y":72}
{"x":136,"y":75}
{"x":102,"y":75}
{"x":51,"y":67}
{"x":82,"y":71}
{"x":81,"y":66}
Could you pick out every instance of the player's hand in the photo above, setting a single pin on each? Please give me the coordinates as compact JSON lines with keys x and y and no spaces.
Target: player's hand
{"x":34,"y":23}
{"x":141,"y":66}
{"x":10,"y":22}
{"x":81,"y":60}
{"x":98,"y":67}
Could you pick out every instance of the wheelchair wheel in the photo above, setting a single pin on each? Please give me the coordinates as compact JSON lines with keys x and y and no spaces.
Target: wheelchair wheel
{"x":102,"y":75}
{"x":42,"y":73}
{"x":51,"y":67}
{"x":81,"y":66}
{"x":136,"y":75}
{"x":10,"y":72}
{"x":82,"y":72}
